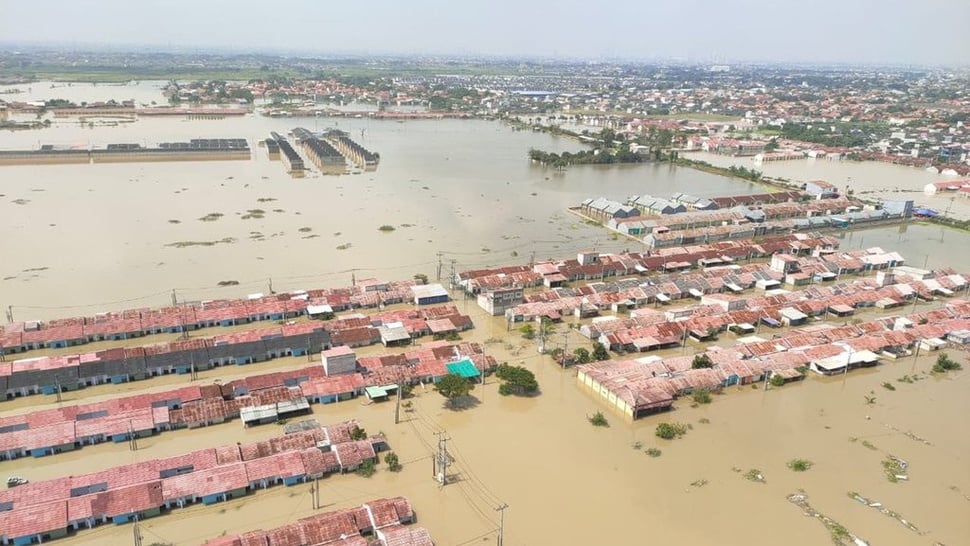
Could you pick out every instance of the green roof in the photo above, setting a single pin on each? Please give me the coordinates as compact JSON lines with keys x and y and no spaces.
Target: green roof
{"x":464,"y":367}
{"x":379,"y":392}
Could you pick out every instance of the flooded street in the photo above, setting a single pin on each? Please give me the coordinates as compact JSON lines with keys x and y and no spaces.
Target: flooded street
{"x":85,"y":238}
{"x":567,"y":482}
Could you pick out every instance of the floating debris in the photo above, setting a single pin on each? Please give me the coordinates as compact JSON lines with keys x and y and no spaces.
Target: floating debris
{"x":840,"y":535}
{"x":754,"y":475}
{"x":908,"y":434}
{"x":891,"y":513}
{"x":895,"y":468}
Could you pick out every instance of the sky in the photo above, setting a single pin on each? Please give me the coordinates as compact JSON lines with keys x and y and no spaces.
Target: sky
{"x":919,"y":32}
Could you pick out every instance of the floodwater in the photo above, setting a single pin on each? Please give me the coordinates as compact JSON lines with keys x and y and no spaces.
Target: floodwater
{"x":567,"y":482}
{"x":94,"y":236}
{"x":81,"y":238}
{"x":868,"y":179}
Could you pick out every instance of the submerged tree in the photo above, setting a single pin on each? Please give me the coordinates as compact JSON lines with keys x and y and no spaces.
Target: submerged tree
{"x":454,"y":386}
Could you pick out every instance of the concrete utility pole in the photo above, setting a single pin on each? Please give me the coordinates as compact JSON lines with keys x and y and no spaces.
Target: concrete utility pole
{"x":10,"y":313}
{"x":439,"y":266}
{"x":271,"y":291}
{"x":451,"y":280}
{"x":565,"y":347}
{"x":443,"y":460}
{"x":916,"y":356}
{"x":136,"y":532}
{"x":175,"y":300}
{"x":501,"y":524}
{"x":397,"y":407}
{"x":57,"y":385}
{"x":132,"y":441}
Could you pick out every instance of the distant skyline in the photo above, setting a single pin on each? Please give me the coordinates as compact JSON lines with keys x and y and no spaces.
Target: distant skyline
{"x":932,"y":32}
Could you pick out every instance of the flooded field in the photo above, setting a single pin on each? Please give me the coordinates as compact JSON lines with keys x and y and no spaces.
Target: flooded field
{"x":85,"y":238}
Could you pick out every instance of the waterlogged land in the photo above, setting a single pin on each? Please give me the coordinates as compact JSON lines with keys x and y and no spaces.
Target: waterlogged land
{"x":568,"y":482}
{"x":118,"y":236}
{"x":136,"y":231}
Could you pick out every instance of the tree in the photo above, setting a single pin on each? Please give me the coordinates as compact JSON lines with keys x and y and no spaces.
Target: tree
{"x":454,"y":386}
{"x":944,"y":364}
{"x":582,"y":355}
{"x":518,"y":380}
{"x":600,"y":352}
{"x":776,"y":380}
{"x":421,"y":278}
{"x":701,"y":361}
{"x":358,"y":434}
{"x":393,"y":463}
{"x":528,"y":331}
{"x":669,"y":431}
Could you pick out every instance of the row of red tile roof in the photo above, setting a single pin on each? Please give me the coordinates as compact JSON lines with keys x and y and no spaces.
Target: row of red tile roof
{"x":385,"y":518}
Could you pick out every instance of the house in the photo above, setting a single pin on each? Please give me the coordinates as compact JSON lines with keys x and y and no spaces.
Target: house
{"x":792,"y":317}
{"x":497,"y":301}
{"x":842,"y":362}
{"x":429,"y":294}
{"x":821,"y":189}
{"x":394,"y":334}
{"x":339,"y":360}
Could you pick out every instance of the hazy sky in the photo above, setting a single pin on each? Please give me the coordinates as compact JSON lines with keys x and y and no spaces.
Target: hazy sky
{"x":870,"y":31}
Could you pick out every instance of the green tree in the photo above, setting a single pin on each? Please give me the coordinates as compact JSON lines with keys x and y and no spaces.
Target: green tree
{"x":393,"y":463}
{"x":582,"y":355}
{"x":776,"y":380}
{"x":367,"y":468}
{"x":701,"y":361}
{"x":421,"y":278}
{"x":600,"y":352}
{"x":358,"y":434}
{"x":454,"y":386}
{"x":944,"y":364}
{"x":528,"y":331}
{"x":669,"y":431}
{"x":518,"y":380}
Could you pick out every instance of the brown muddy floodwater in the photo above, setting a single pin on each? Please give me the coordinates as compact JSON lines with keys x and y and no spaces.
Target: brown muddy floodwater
{"x":85,"y":238}
{"x":567,"y":482}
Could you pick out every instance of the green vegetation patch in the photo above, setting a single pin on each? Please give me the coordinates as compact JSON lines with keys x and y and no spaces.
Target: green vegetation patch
{"x":599,"y":420}
{"x":800,"y":465}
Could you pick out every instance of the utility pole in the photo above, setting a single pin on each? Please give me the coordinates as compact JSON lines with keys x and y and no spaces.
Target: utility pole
{"x":565,"y":347}
{"x":353,"y":277}
{"x":57,"y":385}
{"x":443,"y":460}
{"x":271,"y":291}
{"x":193,"y":375}
{"x":10,"y":313}
{"x":451,"y":280}
{"x":439,"y":266}
{"x":136,"y":532}
{"x":397,"y":407}
{"x":916,"y":356}
{"x":501,"y":523}
{"x":132,"y":441}
{"x":542,"y":338}
{"x":175,"y":300}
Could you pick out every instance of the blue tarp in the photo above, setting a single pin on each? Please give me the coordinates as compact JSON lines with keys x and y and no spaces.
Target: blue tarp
{"x":923,"y":211}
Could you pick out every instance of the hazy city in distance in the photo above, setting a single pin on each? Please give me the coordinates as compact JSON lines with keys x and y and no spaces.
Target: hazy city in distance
{"x":427,"y":273}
